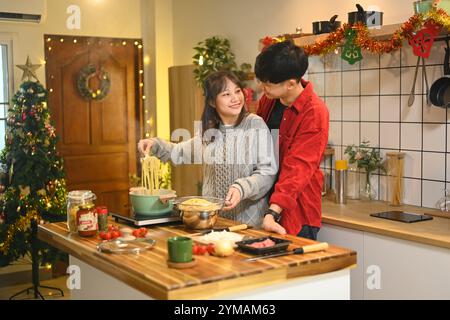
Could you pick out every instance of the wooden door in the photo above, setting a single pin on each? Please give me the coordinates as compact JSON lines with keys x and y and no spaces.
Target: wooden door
{"x":97,"y":139}
{"x":186,"y":106}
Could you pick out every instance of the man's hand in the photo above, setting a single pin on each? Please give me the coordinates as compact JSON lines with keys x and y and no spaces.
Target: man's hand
{"x":232,"y":199}
{"x":270,"y":225}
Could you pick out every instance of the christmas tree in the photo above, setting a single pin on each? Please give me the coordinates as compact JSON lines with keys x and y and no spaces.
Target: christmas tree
{"x":33,"y":175}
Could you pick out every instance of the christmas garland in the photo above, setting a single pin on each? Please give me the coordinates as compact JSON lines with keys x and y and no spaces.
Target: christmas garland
{"x":363,"y":40}
{"x":87,"y":73}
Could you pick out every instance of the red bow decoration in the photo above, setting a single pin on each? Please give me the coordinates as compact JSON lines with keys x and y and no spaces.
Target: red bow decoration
{"x":424,"y":39}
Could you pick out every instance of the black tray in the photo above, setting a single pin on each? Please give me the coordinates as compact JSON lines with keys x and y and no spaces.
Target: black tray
{"x":280,"y":245}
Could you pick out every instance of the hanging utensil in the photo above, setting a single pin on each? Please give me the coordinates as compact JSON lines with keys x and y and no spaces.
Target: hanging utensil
{"x":427,"y":87}
{"x":305,"y":249}
{"x":412,"y":95}
{"x":440,"y":89}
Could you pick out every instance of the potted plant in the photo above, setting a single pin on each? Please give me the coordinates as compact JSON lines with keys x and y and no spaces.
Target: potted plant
{"x":214,"y":54}
{"x":368,"y":159}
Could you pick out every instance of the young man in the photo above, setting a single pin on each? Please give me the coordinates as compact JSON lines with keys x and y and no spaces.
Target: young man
{"x":290,"y":105}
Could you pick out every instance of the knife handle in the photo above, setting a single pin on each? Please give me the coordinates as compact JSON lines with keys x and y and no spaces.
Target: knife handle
{"x":238,"y":227}
{"x":312,"y":248}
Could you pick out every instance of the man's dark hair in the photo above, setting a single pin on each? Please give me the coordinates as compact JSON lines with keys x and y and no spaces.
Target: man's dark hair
{"x":280,"y":62}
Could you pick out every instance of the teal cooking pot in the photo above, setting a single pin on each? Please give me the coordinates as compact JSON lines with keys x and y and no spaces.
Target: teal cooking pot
{"x":156,"y":204}
{"x":425,"y":6}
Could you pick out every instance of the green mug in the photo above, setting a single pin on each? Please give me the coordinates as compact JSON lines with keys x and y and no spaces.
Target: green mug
{"x":180,"y":249}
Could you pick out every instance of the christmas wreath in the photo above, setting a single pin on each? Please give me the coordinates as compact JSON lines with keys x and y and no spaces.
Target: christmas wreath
{"x":87,"y":73}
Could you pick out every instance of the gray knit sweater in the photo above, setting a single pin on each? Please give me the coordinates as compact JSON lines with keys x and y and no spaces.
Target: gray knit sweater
{"x":241,"y":156}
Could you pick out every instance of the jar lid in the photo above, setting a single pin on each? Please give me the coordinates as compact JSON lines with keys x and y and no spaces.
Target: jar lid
{"x":81,"y":196}
{"x":102,"y":210}
{"x":341,"y":165}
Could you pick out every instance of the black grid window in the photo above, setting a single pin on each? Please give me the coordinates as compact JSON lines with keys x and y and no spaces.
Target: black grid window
{"x":4,"y":92}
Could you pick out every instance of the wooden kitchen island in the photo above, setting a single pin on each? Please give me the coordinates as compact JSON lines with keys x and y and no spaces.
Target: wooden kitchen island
{"x":320,"y":275}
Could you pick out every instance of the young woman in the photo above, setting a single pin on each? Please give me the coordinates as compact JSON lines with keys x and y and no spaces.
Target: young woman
{"x":235,"y":147}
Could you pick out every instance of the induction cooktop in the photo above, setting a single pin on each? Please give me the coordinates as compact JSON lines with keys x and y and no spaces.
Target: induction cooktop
{"x":402,"y":216}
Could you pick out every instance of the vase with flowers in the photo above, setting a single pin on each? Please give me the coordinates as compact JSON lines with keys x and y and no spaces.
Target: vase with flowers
{"x":369,"y":160}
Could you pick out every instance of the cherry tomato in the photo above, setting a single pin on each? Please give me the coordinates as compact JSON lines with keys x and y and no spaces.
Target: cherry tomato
{"x":115,"y":234}
{"x":136,"y":233}
{"x":201,"y":250}
{"x":107,"y":236}
{"x":143,"y":231}
{"x":210,"y":248}
{"x":101,"y":234}
{"x":195,"y":249}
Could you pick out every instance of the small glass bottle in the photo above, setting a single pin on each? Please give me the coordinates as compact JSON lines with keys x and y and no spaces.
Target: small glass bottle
{"x":395,"y":165}
{"x":102,"y":213}
{"x":353,"y":181}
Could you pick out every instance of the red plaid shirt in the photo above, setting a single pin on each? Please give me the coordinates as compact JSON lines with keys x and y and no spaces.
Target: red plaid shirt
{"x":303,"y":137}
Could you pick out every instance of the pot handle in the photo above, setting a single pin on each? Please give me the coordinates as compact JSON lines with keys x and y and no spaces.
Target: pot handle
{"x":361,"y":13}
{"x":333,"y":20}
{"x":167,"y":199}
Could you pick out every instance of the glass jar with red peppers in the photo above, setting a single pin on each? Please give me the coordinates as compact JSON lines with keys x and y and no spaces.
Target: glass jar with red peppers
{"x":87,"y":221}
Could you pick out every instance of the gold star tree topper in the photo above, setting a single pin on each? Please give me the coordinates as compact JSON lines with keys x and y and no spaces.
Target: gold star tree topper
{"x":29,"y":70}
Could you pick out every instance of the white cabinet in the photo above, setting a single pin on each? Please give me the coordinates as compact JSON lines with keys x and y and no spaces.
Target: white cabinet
{"x":391,"y":268}
{"x":351,"y":239}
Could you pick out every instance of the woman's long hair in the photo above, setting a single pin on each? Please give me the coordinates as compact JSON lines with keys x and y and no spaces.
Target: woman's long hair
{"x":214,"y":84}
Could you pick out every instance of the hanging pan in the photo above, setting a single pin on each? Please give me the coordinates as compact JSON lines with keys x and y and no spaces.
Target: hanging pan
{"x":440,"y":89}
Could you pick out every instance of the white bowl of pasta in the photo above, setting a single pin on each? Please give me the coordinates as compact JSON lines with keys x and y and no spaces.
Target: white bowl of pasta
{"x":152,"y":203}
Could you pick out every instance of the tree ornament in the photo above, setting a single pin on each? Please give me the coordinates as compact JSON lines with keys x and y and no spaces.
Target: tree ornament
{"x":423,"y":40}
{"x":29,"y":70}
{"x":351,"y":52}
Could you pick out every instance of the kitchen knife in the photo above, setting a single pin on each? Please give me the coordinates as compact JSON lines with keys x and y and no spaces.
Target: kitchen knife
{"x":301,"y":250}
{"x":232,"y":228}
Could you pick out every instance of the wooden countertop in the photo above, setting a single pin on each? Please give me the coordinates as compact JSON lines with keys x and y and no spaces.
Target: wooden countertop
{"x":355,"y":215}
{"x":148,"y":272}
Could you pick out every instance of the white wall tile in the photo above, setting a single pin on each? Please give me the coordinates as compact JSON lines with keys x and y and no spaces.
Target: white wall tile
{"x":315,"y":64}
{"x":434,"y":137}
{"x":407,"y":56}
{"x":412,"y":164}
{"x":370,"y":108}
{"x":413,"y":191}
{"x":411,"y":136}
{"x":335,"y":133}
{"x":434,"y":73}
{"x":413,"y":113}
{"x":350,"y":108}
{"x":370,"y":61}
{"x":389,"y":135}
{"x":433,"y":165}
{"x":317,"y":79}
{"x":390,"y":59}
{"x":350,"y":133}
{"x":333,"y":84}
{"x":332,"y":62}
{"x":433,"y":114}
{"x":350,"y":83}
{"x":370,"y":131}
{"x":347,"y":66}
{"x":437,"y":53}
{"x":407,"y":77}
{"x":390,"y":81}
{"x":370,"y":82}
{"x":432,"y":192}
{"x":334,"y":105}
{"x":390,"y":108}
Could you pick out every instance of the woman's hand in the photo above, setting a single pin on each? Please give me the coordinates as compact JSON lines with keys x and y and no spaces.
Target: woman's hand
{"x":232,"y":199}
{"x":269,"y":224}
{"x":145,"y":145}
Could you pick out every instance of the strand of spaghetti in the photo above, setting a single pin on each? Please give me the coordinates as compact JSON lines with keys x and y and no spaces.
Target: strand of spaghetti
{"x":151,"y":172}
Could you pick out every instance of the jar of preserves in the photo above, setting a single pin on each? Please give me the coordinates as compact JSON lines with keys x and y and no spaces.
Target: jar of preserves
{"x":87,"y":221}
{"x":75,"y":199}
{"x":102,"y":213}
